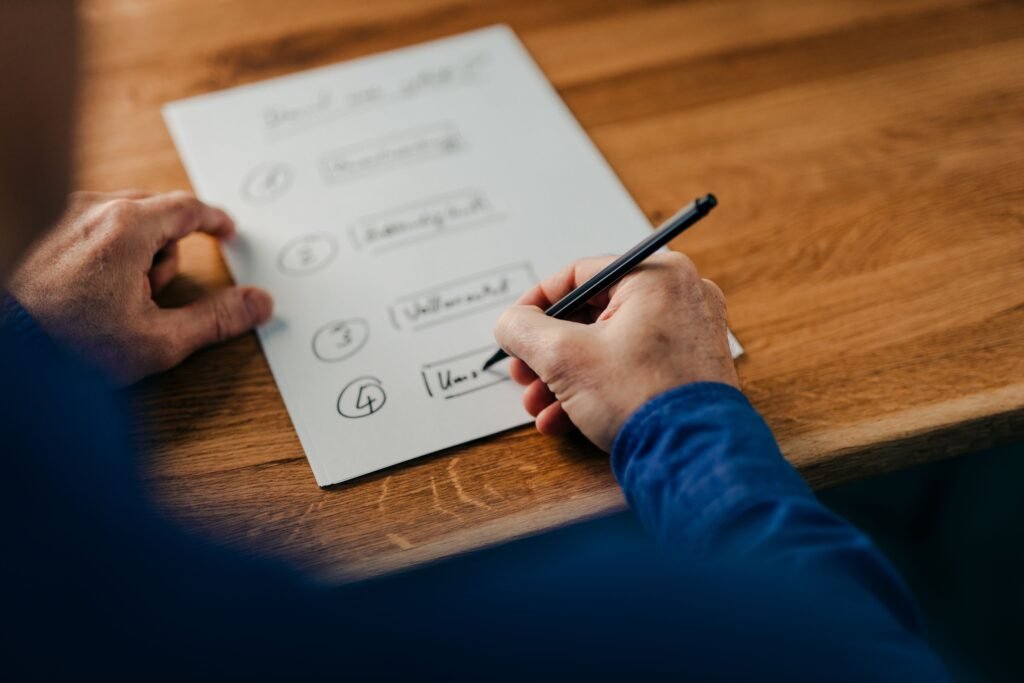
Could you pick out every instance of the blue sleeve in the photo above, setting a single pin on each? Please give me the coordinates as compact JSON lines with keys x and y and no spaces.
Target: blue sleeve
{"x":704,"y":474}
{"x":96,"y":585}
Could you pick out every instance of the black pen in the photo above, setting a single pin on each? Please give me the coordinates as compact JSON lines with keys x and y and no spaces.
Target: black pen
{"x":620,"y":267}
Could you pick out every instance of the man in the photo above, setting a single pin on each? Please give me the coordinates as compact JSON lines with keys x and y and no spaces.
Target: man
{"x":754,"y":579}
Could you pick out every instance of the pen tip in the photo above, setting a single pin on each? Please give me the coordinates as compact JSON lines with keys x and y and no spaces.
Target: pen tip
{"x":498,"y":355}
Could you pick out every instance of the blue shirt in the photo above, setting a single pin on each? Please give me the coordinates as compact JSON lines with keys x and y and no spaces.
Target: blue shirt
{"x":750,"y":578}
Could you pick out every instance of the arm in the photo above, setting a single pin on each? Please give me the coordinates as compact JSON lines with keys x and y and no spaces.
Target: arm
{"x":703,"y":473}
{"x":650,"y":379}
{"x":96,"y":566}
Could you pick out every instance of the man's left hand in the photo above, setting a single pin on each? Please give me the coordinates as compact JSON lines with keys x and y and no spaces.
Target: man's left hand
{"x":90,"y":282}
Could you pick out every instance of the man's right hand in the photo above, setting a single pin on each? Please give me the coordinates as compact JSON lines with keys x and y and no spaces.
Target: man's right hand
{"x":659,"y":327}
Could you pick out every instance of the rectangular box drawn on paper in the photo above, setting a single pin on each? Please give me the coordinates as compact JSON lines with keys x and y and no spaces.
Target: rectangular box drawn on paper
{"x":461,"y":375}
{"x":423,"y":219}
{"x":457,"y":299}
{"x":391,"y":151}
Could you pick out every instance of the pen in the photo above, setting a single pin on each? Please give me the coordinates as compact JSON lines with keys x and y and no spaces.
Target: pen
{"x":620,"y":267}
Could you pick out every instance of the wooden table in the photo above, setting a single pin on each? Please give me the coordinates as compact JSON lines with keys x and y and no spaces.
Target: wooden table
{"x":870,"y":161}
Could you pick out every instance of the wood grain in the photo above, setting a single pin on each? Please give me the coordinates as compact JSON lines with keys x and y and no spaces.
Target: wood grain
{"x":870,"y":161}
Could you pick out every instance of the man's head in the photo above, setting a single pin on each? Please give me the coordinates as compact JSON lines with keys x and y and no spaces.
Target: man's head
{"x":37,"y":46}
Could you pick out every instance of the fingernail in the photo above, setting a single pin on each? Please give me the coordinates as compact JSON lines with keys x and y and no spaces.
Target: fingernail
{"x":259,"y":305}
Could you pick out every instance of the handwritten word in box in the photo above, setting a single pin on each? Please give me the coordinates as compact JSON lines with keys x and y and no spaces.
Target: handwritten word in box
{"x":423,"y":219}
{"x":461,"y":298}
{"x":393,"y":151}
{"x":461,"y":375}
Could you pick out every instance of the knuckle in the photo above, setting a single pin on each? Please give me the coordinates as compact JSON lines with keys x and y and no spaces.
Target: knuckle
{"x":676,"y":277}
{"x":683,"y":267}
{"x":188,"y":211}
{"x":120,"y":211}
{"x":183,"y":200}
{"x":713,"y":291}
{"x":676,"y":272}
{"x":180,"y":199}
{"x":107,"y":224}
{"x":117,"y":217}
{"x":716,"y":300}
{"x":674,"y":259}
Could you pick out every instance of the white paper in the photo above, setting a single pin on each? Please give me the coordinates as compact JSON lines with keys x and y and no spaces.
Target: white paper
{"x":394,"y":206}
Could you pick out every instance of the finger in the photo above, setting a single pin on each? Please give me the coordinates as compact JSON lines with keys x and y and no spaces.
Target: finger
{"x":174,"y":215}
{"x":537,"y":397}
{"x":569,"y":278}
{"x":538,"y":340}
{"x":520,"y":372}
{"x":216,"y":317}
{"x":165,"y":267}
{"x":554,"y":421}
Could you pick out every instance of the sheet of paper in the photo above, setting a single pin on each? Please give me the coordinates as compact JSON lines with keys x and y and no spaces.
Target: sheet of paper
{"x":393,"y":206}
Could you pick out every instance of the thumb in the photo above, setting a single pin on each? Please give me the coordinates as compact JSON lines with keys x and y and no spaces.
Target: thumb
{"x":540,"y":341}
{"x":219,"y":316}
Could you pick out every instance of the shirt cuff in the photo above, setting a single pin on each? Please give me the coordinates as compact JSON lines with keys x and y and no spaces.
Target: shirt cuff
{"x":692,"y":458}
